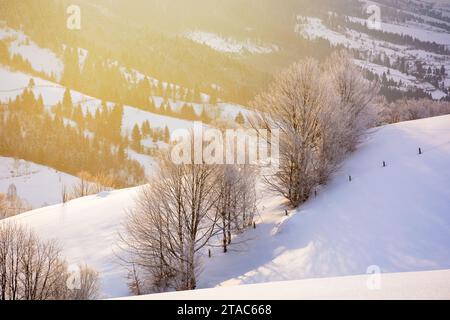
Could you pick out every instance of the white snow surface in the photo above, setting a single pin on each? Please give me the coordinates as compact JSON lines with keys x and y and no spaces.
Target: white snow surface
{"x":229,"y":45}
{"x":396,"y":218}
{"x":38,"y":185}
{"x":407,"y":285}
{"x":41,"y":59}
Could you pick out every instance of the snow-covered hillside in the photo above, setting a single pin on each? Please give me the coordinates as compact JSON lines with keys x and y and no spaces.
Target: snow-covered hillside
{"x":12,"y":84}
{"x":229,"y":45}
{"x":37,"y":185}
{"x":87,"y":229}
{"x":41,"y":59}
{"x":406,"y":285}
{"x":48,"y":62}
{"x":370,"y":44}
{"x":392,"y":219}
{"x":395,"y":217}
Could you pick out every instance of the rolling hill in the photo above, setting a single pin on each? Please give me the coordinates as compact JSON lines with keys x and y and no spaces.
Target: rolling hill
{"x":394,"y":218}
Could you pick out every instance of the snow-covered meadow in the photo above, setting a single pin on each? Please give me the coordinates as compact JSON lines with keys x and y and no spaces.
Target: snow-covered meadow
{"x":41,"y":59}
{"x":37,"y":185}
{"x":394,"y":218}
{"x":392,"y":286}
{"x":229,"y":45}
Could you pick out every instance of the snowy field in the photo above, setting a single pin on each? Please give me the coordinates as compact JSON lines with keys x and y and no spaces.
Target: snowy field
{"x":41,"y":59}
{"x":229,"y":45}
{"x":406,"y":285}
{"x":394,"y":219}
{"x":38,"y":185}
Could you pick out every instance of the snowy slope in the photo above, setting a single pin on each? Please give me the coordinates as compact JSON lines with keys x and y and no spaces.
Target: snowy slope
{"x":41,"y":59}
{"x":313,"y":28}
{"x":87,"y":229}
{"x":228,"y":45}
{"x":396,"y":218}
{"x":406,"y":285}
{"x":408,"y":81}
{"x":50,"y":63}
{"x":37,"y":185}
{"x":12,"y":84}
{"x":440,"y":37}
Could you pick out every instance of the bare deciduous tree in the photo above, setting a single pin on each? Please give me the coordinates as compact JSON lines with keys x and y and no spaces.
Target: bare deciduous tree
{"x":236,"y":205}
{"x":64,"y":194}
{"x":88,"y":185}
{"x":34,"y":270}
{"x":320,"y":112}
{"x":89,"y":285}
{"x":405,"y":110}
{"x":102,"y":182}
{"x":355,"y":96}
{"x":11,"y":204}
{"x":83,"y":187}
{"x":172,"y":221}
{"x":3,"y":206}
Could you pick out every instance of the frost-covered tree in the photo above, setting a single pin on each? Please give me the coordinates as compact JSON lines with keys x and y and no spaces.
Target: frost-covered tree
{"x":170,"y":224}
{"x":355,"y":97}
{"x":297,"y":104}
{"x":320,"y":112}
{"x":31,"y":269}
{"x":412,"y":109}
{"x":67,"y":100}
{"x":236,"y":205}
{"x":11,"y":204}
